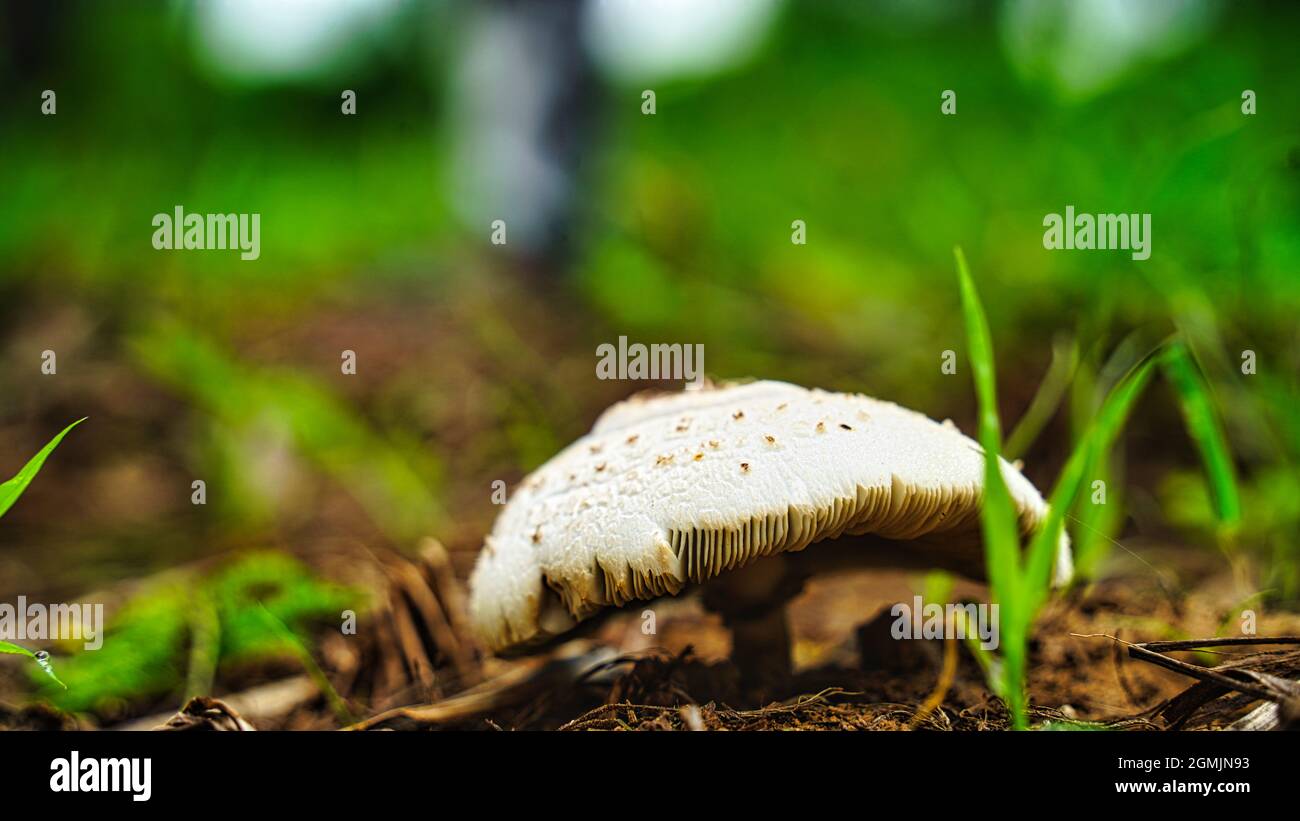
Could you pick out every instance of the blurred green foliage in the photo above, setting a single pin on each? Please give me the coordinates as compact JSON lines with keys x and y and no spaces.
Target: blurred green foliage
{"x":836,"y":122}
{"x":284,"y":404}
{"x":145,"y":655}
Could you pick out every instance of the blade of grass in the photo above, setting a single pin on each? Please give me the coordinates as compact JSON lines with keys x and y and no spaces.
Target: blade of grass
{"x":1002,"y":541}
{"x":205,"y":646}
{"x":1020,"y":589}
{"x":281,"y":631}
{"x":1206,"y":432}
{"x":12,"y":489}
{"x":15,"y":650}
{"x":9,"y":648}
{"x":1095,"y":441}
{"x":998,"y":517}
{"x":1098,"y":524}
{"x":937,"y":586}
{"x":1065,"y":358}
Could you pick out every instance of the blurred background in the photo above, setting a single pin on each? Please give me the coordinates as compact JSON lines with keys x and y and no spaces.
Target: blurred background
{"x":664,"y":223}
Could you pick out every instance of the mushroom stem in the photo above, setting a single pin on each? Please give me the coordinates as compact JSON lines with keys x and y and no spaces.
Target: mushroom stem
{"x":751,"y":601}
{"x":760,"y":648}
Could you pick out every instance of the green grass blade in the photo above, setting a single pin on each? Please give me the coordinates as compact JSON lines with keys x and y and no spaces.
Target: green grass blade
{"x":9,"y":648}
{"x":1206,"y":432}
{"x":1001,"y":535}
{"x":1097,"y":439}
{"x":12,"y":489}
{"x":997,"y":515}
{"x":1047,"y":399}
{"x":290,"y":639}
{"x":205,"y":645}
{"x":1096,"y":526}
{"x":15,"y":650}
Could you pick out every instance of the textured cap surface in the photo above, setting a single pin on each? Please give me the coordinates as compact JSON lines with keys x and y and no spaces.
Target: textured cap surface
{"x":677,"y":488}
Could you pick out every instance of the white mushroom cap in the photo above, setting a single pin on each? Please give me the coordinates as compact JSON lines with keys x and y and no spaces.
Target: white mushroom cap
{"x":678,"y":488}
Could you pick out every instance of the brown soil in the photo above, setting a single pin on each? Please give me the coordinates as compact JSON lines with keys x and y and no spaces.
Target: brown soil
{"x":850,"y":675}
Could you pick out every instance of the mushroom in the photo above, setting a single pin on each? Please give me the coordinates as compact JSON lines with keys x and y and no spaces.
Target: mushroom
{"x":725,"y":487}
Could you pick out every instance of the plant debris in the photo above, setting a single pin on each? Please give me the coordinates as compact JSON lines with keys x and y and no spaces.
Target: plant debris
{"x":1225,"y":691}
{"x":207,"y":714}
